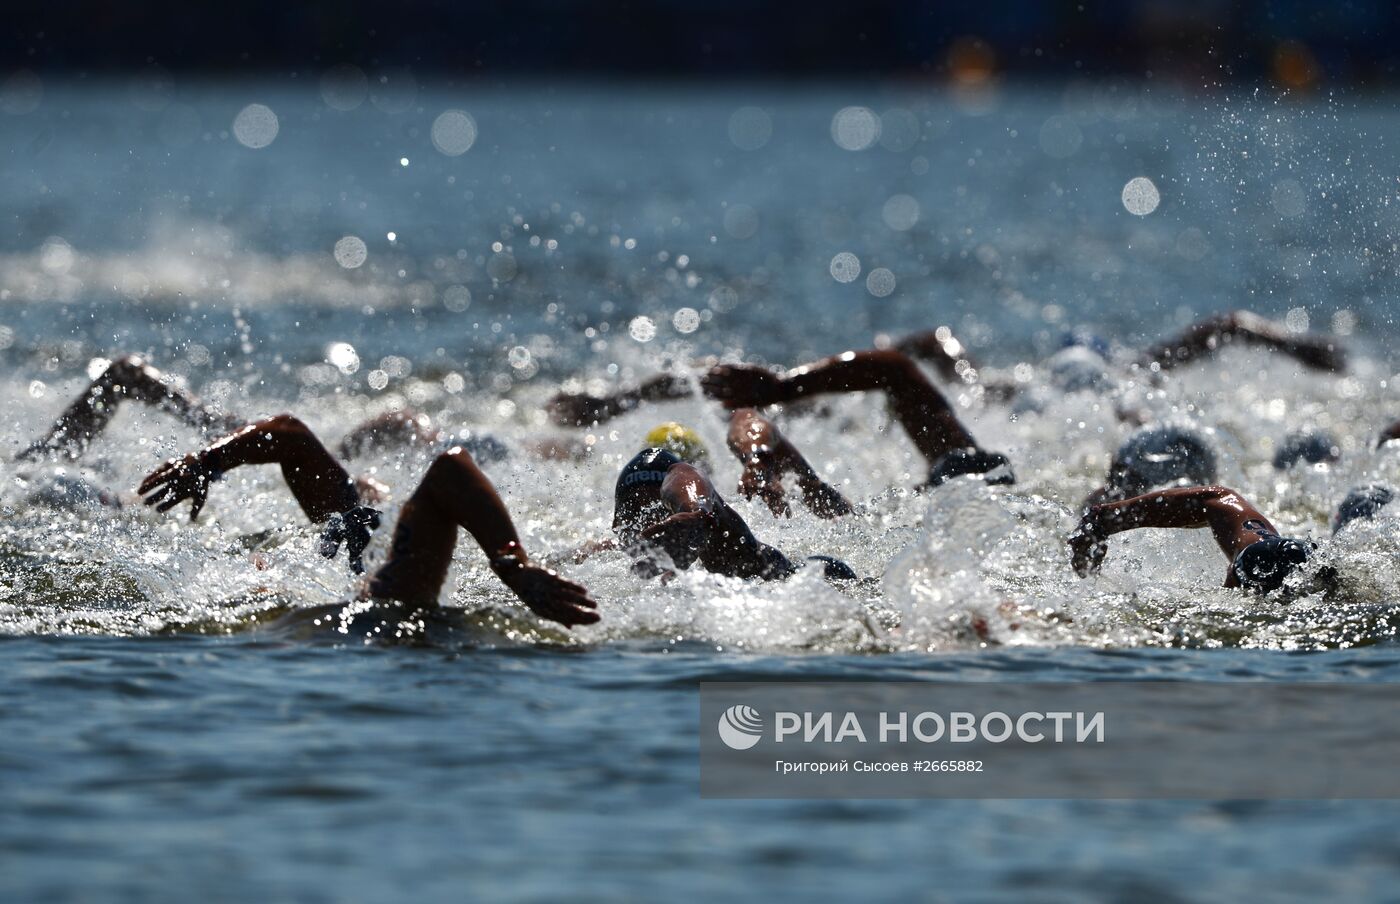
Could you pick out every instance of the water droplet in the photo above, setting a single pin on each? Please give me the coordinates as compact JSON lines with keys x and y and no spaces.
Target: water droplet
{"x":343,"y":357}
{"x":255,"y":126}
{"x":899,"y":129}
{"x":901,"y":212}
{"x":845,"y":267}
{"x":855,"y":128}
{"x":1140,"y":196}
{"x":454,"y":132}
{"x":880,"y":282}
{"x":456,"y":298}
{"x":344,"y":87}
{"x":350,"y":252}
{"x":643,"y":329}
{"x":686,"y":320}
{"x":750,"y":128}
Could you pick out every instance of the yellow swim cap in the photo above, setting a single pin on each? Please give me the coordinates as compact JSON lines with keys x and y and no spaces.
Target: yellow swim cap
{"x":681,"y":440}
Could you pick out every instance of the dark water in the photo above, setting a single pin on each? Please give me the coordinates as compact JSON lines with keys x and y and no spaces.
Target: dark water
{"x":179,"y":768}
{"x":140,"y":762}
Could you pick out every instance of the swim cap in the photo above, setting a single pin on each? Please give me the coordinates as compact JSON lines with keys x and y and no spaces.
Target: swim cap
{"x":1082,"y":337}
{"x":834,"y":569}
{"x":679,"y":439}
{"x":1310,"y":445}
{"x":1263,"y":565}
{"x":484,"y":449}
{"x":993,"y":467}
{"x":639,"y":485}
{"x":1362,"y":502}
{"x":1158,"y":456}
{"x":1077,"y":368}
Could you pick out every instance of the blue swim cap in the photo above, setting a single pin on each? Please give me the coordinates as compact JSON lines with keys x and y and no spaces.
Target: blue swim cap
{"x":639,"y":486}
{"x":1310,"y":445}
{"x":1155,"y":457}
{"x":1362,"y":502}
{"x":1086,"y":339}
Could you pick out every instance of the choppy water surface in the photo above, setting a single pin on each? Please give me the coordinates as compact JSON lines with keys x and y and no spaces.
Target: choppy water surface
{"x":153,"y":717}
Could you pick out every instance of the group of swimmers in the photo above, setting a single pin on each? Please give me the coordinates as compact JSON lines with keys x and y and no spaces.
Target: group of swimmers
{"x":668,"y":514}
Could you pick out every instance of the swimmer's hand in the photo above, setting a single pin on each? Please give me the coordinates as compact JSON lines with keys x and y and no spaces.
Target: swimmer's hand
{"x":824,"y":500}
{"x":550,"y":595}
{"x":1087,"y":548}
{"x":742,"y":385}
{"x":177,"y":480}
{"x":353,"y":528}
{"x":581,"y":410}
{"x":682,"y":535}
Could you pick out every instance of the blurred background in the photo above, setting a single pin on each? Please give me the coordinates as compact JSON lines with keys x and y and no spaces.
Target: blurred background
{"x":1294,"y":43}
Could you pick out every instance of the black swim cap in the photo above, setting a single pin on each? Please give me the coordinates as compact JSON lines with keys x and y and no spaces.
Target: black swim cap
{"x":1362,"y":502}
{"x":639,"y":484}
{"x":1312,"y":446}
{"x":1159,"y":456}
{"x":833,"y":569}
{"x":992,"y":466}
{"x":1263,"y":566}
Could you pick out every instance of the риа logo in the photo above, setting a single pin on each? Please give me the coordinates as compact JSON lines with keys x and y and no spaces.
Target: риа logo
{"x":740,"y":727}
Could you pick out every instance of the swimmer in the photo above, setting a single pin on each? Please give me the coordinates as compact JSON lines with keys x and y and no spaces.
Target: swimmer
{"x":665,"y":503}
{"x":324,"y":490}
{"x":1210,"y":334}
{"x":1260,"y":559}
{"x":455,"y":493}
{"x":132,"y":378}
{"x":1308,"y":445}
{"x":1082,"y":365}
{"x":1154,"y":458}
{"x":1362,"y":504}
{"x":126,"y":378}
{"x":920,"y":408}
{"x":939,"y":348}
{"x":1388,"y":434}
{"x":767,"y":456}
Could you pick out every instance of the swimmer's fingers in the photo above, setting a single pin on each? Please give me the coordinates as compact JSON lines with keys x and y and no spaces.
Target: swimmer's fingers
{"x":1087,"y":552}
{"x":198,"y":496}
{"x":740,"y":385}
{"x":554,"y":597}
{"x":577,"y":409}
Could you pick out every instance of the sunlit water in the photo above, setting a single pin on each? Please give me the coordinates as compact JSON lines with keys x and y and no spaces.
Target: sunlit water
{"x":586,"y":238}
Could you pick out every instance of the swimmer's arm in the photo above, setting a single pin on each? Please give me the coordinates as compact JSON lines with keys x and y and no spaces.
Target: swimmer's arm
{"x":455,"y":493}
{"x":126,"y":378}
{"x":694,"y":505}
{"x":919,"y":407}
{"x":583,"y":553}
{"x":942,"y":351}
{"x":1389,"y":433}
{"x":1203,"y":338}
{"x":321,"y":486}
{"x":766,"y":455}
{"x":582,"y":410}
{"x":1221,"y":509}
